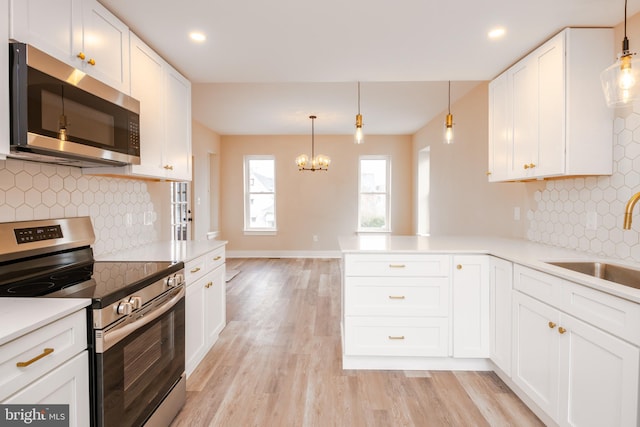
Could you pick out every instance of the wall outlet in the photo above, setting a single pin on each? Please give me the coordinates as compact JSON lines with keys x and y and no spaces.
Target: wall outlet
{"x":592,"y":221}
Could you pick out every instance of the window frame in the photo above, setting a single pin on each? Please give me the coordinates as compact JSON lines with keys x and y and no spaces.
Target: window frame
{"x":387,"y":193}
{"x":247,"y":196}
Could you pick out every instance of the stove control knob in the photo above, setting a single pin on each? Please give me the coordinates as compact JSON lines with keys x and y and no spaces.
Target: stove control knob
{"x":174,"y":281}
{"x":124,"y":307}
{"x":136,"y":302}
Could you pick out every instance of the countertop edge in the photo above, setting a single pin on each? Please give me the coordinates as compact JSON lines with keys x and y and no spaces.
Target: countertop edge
{"x":40,"y":312}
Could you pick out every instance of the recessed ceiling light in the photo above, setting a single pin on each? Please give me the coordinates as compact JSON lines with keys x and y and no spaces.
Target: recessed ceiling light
{"x":197,"y":36}
{"x":497,"y":33}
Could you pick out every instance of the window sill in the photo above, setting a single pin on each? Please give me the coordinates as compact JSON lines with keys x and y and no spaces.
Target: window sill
{"x":365,"y":232}
{"x":260,"y":232}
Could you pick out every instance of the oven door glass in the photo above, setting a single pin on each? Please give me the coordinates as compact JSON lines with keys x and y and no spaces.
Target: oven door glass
{"x":134,"y":375}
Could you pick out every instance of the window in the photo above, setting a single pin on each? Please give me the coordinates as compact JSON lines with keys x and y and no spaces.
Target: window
{"x":180,"y":212}
{"x":259,"y":194}
{"x":374,"y":197}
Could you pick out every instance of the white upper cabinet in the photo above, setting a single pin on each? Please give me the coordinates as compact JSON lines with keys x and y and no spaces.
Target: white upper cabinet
{"x":165,"y":119}
{"x":548,"y":116}
{"x":4,"y":89}
{"x":81,"y":33}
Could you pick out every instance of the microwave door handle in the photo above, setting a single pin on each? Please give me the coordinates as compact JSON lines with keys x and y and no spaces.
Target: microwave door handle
{"x":115,"y":335}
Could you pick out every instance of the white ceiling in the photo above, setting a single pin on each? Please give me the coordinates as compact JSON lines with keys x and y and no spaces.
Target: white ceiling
{"x":267,"y":65}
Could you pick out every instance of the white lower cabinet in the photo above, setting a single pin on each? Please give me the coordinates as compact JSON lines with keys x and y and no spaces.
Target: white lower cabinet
{"x":578,"y":374}
{"x":49,"y":366}
{"x":66,"y":385}
{"x":500,"y":286}
{"x":205,"y":305}
{"x":396,"y":305}
{"x":470,"y":317}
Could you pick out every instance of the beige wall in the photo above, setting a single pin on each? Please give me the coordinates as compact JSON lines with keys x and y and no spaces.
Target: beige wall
{"x":310,"y":203}
{"x":461,"y":199}
{"x":205,"y":191}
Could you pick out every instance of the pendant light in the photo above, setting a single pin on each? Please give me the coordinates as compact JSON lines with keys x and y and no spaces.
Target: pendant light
{"x":319,"y":162}
{"x":448,"y":124}
{"x":358,"y":136}
{"x":620,"y":81}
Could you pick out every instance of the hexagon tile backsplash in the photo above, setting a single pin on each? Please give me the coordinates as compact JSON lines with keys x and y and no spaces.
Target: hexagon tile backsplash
{"x":587,"y":213}
{"x":121,"y":210}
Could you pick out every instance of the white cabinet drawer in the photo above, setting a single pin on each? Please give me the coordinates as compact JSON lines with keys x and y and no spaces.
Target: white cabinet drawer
{"x":401,"y":296}
{"x":41,"y":351}
{"x":214,"y":259}
{"x":615,"y":315}
{"x":536,"y":284}
{"x":195,"y":269}
{"x":397,"y":336}
{"x":401,"y":265}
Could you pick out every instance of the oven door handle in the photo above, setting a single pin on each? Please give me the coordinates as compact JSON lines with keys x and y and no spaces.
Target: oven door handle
{"x":114,"y":336}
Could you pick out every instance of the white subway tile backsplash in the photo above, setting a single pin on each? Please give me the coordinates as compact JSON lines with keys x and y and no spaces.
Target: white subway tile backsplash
{"x":121,"y":210}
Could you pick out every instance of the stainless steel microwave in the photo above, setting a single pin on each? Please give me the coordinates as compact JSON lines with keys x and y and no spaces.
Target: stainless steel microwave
{"x":61,"y":115}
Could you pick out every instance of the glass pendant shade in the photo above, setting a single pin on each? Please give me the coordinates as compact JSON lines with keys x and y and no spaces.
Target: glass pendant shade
{"x":621,"y":81}
{"x":448,"y":129}
{"x":359,"y":137}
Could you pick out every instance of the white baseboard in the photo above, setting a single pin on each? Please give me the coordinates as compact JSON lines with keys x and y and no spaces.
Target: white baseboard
{"x":283,"y":254}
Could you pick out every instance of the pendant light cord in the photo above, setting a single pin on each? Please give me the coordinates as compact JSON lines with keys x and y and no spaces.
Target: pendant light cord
{"x":625,"y":41}
{"x":359,"y":96}
{"x":450,"y":95}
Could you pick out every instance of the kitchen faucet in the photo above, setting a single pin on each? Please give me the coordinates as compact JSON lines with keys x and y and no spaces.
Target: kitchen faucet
{"x":628,"y":210}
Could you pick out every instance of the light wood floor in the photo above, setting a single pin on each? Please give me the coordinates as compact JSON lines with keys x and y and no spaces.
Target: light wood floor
{"x":278,"y":363}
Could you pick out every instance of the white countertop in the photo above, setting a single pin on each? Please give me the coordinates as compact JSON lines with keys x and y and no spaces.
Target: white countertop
{"x":19,"y":316}
{"x":165,"y":251}
{"x":523,"y":252}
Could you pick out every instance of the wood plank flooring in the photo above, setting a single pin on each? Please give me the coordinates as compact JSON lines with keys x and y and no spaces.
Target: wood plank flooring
{"x":278,"y":363}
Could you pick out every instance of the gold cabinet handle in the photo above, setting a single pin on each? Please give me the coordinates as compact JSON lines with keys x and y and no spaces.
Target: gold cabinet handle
{"x":81,"y":55}
{"x":195,"y":270}
{"x":92,"y":61}
{"x":459,"y":266}
{"x":168,"y":167}
{"x":397,"y":266}
{"x":208,"y":285}
{"x":552,"y":325}
{"x":488,"y":173}
{"x":532,"y":165}
{"x":396,"y":296}
{"x":561,"y":330}
{"x":217,"y":258}
{"x":526,"y":166}
{"x":45,"y":352}
{"x":400,"y":337}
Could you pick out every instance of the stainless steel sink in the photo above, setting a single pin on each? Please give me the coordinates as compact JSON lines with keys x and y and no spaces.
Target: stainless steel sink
{"x":614,"y":273}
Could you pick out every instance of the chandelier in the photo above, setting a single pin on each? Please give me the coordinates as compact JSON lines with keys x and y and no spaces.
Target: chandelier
{"x":319,"y":162}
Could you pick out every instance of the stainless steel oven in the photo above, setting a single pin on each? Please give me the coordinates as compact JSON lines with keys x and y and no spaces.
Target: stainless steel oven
{"x":140,"y":359}
{"x":136,"y":318}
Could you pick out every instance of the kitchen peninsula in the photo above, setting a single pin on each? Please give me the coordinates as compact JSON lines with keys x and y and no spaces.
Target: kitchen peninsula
{"x":558,"y":338}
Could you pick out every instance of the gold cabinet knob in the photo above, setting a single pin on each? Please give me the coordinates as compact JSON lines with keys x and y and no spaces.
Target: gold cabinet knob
{"x":81,"y":55}
{"x":532,"y":165}
{"x":552,"y":325}
{"x":561,"y":330}
{"x":526,"y":166}
{"x":92,"y":61}
{"x":168,"y":167}
{"x":488,"y":173}
{"x":459,"y":266}
{"x":208,"y":285}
